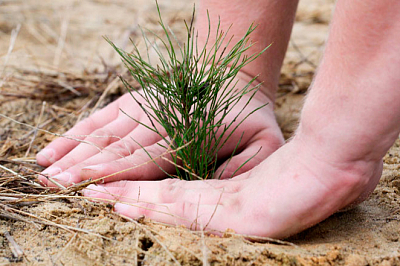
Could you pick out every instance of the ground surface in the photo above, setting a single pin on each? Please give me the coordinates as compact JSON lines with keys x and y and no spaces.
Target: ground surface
{"x":67,"y":64}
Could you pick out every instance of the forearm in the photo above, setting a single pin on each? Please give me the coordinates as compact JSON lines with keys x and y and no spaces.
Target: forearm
{"x":274,"y":20}
{"x":355,"y":98}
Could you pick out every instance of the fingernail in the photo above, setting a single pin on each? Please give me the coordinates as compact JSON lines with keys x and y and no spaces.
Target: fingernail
{"x":51,"y":171}
{"x":48,"y":154}
{"x":121,"y":207}
{"x":63,"y":177}
{"x":96,"y":167}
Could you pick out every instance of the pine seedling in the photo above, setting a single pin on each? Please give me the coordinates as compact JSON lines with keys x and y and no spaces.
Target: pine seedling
{"x":190,"y":91}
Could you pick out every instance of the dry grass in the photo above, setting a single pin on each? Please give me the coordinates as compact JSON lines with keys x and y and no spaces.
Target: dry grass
{"x":61,"y":99}
{"x":63,"y":83}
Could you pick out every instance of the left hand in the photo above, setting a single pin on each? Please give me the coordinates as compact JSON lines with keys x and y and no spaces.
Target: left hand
{"x":72,"y":162}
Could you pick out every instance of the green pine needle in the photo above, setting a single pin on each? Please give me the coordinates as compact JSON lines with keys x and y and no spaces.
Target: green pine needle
{"x":190,"y":92}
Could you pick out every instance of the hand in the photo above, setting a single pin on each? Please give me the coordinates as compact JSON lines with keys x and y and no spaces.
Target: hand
{"x":288,"y":192}
{"x":106,"y":144}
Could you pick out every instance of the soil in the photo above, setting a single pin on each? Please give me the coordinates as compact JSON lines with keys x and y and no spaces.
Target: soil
{"x":60,"y":57}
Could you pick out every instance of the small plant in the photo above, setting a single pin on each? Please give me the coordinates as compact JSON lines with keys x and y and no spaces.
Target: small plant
{"x":190,"y":92}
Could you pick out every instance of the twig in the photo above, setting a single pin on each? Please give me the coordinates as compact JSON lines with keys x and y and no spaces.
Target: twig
{"x":60,"y":135}
{"x":12,"y":172}
{"x":215,"y":210}
{"x":15,"y":248}
{"x":20,"y":176}
{"x":197,"y":213}
{"x":68,"y":228}
{"x":68,"y":87}
{"x":302,"y":56}
{"x":14,"y":217}
{"x":40,"y":126}
{"x":266,"y":239}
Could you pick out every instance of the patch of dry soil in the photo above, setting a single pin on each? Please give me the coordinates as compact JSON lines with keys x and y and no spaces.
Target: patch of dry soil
{"x":66,"y":36}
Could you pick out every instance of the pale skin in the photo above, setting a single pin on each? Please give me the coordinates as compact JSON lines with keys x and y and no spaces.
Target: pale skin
{"x":350,"y":119}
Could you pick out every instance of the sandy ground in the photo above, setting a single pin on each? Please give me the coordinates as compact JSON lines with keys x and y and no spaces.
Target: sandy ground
{"x":60,"y":46}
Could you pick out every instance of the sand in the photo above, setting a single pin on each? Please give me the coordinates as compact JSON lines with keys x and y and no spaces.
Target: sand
{"x":60,"y":46}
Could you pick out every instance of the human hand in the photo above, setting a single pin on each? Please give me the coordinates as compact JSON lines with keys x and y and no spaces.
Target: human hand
{"x":107,"y":144}
{"x":288,"y":192}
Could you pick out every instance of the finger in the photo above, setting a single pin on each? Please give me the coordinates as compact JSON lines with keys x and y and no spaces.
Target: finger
{"x":117,"y":150}
{"x":143,"y":164}
{"x":196,"y":214}
{"x":166,"y":191}
{"x":259,"y":149}
{"x":93,"y":144}
{"x":61,"y":146}
{"x":138,"y":138}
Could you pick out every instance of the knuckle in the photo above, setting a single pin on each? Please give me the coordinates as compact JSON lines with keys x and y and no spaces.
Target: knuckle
{"x":145,"y":209}
{"x":102,"y":132}
{"x":141,"y":152}
{"x":235,"y":187}
{"x":104,"y":136}
{"x":120,"y":195}
{"x":234,"y":202}
{"x":121,"y":147}
{"x":184,"y":209}
{"x":231,"y":187}
{"x":66,"y":162}
{"x":152,"y":150}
